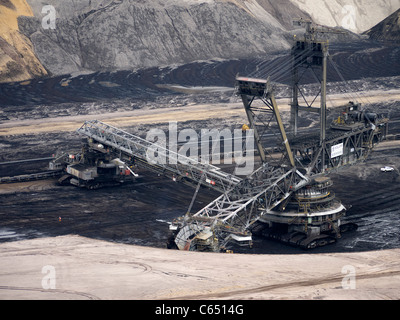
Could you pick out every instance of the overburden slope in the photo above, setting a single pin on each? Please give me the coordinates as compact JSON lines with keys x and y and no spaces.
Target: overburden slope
{"x":98,"y":35}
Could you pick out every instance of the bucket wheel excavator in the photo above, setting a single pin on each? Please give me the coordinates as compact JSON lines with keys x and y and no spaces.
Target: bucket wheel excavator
{"x":289,"y":197}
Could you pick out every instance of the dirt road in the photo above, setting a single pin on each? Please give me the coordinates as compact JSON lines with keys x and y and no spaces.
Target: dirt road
{"x":164,"y":115}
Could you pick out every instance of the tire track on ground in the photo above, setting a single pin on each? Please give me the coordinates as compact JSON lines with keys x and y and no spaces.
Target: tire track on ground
{"x":293,"y":284}
{"x":52,"y":291}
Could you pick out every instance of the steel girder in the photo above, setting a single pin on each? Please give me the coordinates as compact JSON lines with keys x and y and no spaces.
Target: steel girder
{"x":182,"y":167}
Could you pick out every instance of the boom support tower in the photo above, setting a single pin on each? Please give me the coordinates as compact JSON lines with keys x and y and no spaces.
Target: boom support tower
{"x":289,"y":197}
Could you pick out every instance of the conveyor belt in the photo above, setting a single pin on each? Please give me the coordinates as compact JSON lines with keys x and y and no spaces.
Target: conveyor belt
{"x":176,"y":164}
{"x":33,"y":176}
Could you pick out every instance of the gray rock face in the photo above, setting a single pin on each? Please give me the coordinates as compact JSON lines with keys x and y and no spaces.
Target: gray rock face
{"x":354,"y":15}
{"x":130,"y":34}
{"x":387,"y":30}
{"x":98,"y":35}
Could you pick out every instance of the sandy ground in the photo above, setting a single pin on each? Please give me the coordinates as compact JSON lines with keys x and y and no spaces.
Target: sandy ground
{"x":163,"y":115}
{"x":74,"y":267}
